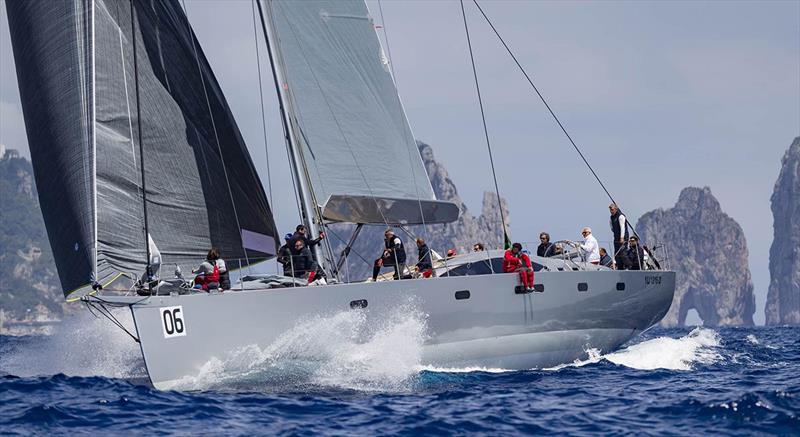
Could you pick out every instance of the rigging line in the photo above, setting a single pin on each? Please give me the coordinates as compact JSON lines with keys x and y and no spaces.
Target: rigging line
{"x":214,"y":126}
{"x":339,"y":128}
{"x":549,"y":109}
{"x":284,"y":116}
{"x":485,"y":129}
{"x":405,"y":132}
{"x":141,"y":142}
{"x":261,"y":100}
{"x":351,"y":247}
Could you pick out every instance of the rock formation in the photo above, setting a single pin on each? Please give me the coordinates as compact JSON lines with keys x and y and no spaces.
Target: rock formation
{"x":708,"y":251}
{"x":29,"y":287}
{"x":459,"y":235}
{"x":783,"y":298}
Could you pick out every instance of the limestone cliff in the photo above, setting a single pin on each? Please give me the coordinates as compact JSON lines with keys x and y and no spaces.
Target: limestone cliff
{"x":29,"y":288}
{"x":708,"y":251}
{"x":460,"y":235}
{"x":783,"y":298}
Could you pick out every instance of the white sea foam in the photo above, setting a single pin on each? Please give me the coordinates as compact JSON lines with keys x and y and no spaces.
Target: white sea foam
{"x":752,"y":339}
{"x":698,"y":347}
{"x":346,"y":350}
{"x":428,"y":368}
{"x":83,"y":345}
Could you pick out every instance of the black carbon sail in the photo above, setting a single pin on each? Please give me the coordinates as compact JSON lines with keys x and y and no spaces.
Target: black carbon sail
{"x":77,"y":79}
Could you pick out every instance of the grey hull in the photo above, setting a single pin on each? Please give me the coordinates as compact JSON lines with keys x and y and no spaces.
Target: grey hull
{"x":494,"y":327}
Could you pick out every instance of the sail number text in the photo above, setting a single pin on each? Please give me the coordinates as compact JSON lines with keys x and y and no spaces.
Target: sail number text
{"x":172,"y":322}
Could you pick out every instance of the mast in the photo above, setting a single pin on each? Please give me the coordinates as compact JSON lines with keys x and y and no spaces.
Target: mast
{"x":95,"y":280}
{"x":148,"y":272}
{"x":307,"y":209}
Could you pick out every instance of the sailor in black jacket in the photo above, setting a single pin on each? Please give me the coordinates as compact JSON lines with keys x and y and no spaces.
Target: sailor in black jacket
{"x":424,"y":265}
{"x":545,"y":248}
{"x":394,"y":255}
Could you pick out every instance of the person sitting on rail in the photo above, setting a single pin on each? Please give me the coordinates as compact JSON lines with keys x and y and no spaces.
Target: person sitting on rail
{"x":478,"y":247}
{"x":590,"y":246}
{"x":424,"y":265}
{"x":394,"y":255}
{"x":516,"y":261}
{"x":212,"y":273}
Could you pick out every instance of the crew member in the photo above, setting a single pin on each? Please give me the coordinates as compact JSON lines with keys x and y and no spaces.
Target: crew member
{"x":301,"y":233}
{"x":619,"y":228}
{"x":212,"y":273}
{"x":394,"y":255}
{"x":285,"y":255}
{"x":304,"y":264}
{"x":478,"y":247}
{"x":545,"y":248}
{"x":513,"y":261}
{"x":605,"y":260}
{"x":424,"y":265}
{"x":590,"y":246}
{"x":635,"y":254}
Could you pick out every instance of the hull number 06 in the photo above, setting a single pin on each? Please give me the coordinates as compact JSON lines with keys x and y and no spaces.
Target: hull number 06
{"x":172,"y":321}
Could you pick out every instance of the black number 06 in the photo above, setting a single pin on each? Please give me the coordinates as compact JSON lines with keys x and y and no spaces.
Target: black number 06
{"x":173,"y":323}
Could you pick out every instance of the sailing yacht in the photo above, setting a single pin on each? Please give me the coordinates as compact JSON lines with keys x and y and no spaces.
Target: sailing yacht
{"x":140,"y":167}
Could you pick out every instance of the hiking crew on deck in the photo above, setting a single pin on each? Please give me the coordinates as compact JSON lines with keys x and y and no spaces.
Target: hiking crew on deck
{"x":394,"y":255}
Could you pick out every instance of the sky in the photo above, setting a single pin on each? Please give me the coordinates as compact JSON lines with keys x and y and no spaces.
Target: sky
{"x":659,"y":95}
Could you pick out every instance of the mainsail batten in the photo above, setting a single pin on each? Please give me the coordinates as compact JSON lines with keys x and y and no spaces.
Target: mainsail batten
{"x":87,"y":166}
{"x":354,"y":137}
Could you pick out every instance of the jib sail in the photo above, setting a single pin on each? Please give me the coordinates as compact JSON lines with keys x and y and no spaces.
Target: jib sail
{"x":77,"y":79}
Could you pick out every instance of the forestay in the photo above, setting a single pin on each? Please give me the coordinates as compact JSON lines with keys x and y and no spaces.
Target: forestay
{"x":350,"y":129}
{"x":77,"y":81}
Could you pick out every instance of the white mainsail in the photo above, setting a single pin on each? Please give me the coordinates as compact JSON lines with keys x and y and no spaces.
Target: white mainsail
{"x":354,"y":142}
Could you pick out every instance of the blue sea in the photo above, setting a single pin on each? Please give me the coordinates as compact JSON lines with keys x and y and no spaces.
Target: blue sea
{"x":88,"y":379}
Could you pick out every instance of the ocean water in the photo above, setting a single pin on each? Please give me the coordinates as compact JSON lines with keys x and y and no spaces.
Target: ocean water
{"x":326,"y":377}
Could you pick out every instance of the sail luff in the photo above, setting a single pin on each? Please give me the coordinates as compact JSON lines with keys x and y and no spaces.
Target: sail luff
{"x":299,"y":167}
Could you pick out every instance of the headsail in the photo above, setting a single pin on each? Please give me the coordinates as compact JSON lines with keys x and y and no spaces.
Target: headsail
{"x":77,"y":82}
{"x":356,"y":144}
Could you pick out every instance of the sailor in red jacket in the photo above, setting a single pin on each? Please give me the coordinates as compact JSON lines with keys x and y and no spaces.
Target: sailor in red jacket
{"x":515,"y":260}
